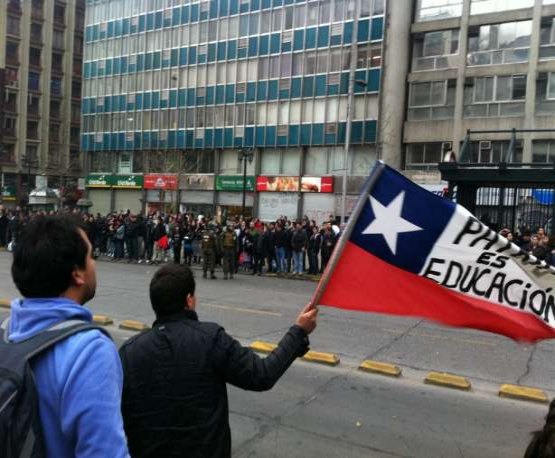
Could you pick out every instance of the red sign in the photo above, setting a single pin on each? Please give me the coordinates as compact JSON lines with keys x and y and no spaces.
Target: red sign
{"x":317,"y":184}
{"x":158,"y":181}
{"x":279,"y":184}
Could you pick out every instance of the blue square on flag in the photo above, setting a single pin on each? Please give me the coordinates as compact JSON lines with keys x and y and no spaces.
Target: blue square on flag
{"x":401,"y":222}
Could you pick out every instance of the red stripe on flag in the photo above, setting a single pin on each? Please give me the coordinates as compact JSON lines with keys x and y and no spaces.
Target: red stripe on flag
{"x":365,"y":283}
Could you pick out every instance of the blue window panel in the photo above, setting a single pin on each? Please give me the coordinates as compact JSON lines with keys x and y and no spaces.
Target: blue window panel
{"x":321,"y":85}
{"x":173,"y":98}
{"x":271,"y":135}
{"x":275,"y":40}
{"x":189,"y":139}
{"x":284,"y":93}
{"x":238,"y":142}
{"x":199,"y":143}
{"x":211,"y":52}
{"x":261,"y":90}
{"x":203,"y":15}
{"x":192,"y":55}
{"x":122,"y":102}
{"x":140,"y":62}
{"x":298,"y":40}
{"x":335,"y":40}
{"x":85,"y":142}
{"x":148,"y":61}
{"x":241,"y":53}
{"x":147,"y":100}
{"x":154,"y":139}
{"x":155,"y":100}
{"x":166,"y":62}
{"x":124,"y":66}
{"x":239,"y":97}
{"x":108,"y":70}
{"x":118,"y":28}
{"x":113,"y":139}
{"x":229,"y":93}
{"x":172,"y":138}
{"x":94,"y":69}
{"x":228,"y":137}
{"x":370,"y":128}
{"x":293,"y":135}
{"x":356,"y":132}
{"x":146,"y":140}
{"x":286,"y":47}
{"x":95,"y":32}
{"x":137,"y":140}
{"x":318,"y":134}
{"x":266,"y":4}
{"x":208,"y":138}
{"x":132,"y":28}
{"x":259,"y":138}
{"x":272,"y":90}
{"x":174,"y":59}
{"x":101,"y":34}
{"x":88,"y":34}
{"x":222,"y":47}
{"x":183,"y":56}
{"x":330,"y":139}
{"x":167,"y":22}
{"x":253,"y":46}
{"x":176,"y":16}
{"x":130,"y":106}
{"x":264,"y":45}
{"x":210,"y":95}
{"x":110,"y":29}
{"x":296,"y":85}
{"x":233,"y":6}
{"x":85,"y":107}
{"x":232,"y":49}
{"x":360,"y":75}
{"x":156,"y":59}
{"x":289,"y":2}
{"x":185,"y":14}
{"x":191,"y":97}
{"x":344,"y":83}
{"x":158,"y":18}
{"x":180,"y":142}
{"x":139,"y":101}
{"x":308,"y":86}
{"x":282,"y":141}
{"x":218,"y":138}
{"x":162,"y":143}
{"x":310,"y":41}
{"x":106,"y":142}
{"x":116,"y":66}
{"x":377,"y":29}
{"x":142,"y":22}
{"x":363,"y":29}
{"x":251,"y":92}
{"x":182,"y":97}
{"x":130,"y":145}
{"x":249,"y":136}
{"x":150,"y":21}
{"x":277,"y":2}
{"x":111,"y":104}
{"x":125,"y":26}
{"x":243,"y":7}
{"x":348,"y":32}
{"x":201,"y":59}
{"x":323,"y":36}
{"x":195,"y":12}
{"x":305,"y":134}
{"x":100,"y":71}
{"x":213,"y":9}
{"x":87,"y":70}
{"x":200,"y":101}
{"x":220,"y":94}
{"x":224,"y":7}
{"x":255,"y":5}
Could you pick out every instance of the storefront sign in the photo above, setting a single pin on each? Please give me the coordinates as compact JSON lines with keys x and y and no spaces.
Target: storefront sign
{"x":9,"y":192}
{"x":277,"y":184}
{"x":99,"y":180}
{"x":159,"y":181}
{"x":234,"y":183}
{"x":127,"y":181}
{"x":197,"y":182}
{"x":317,"y":184}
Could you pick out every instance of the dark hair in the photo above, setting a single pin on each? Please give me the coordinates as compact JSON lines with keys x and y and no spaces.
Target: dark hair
{"x":169,"y":289}
{"x":543,"y":441}
{"x":49,"y":250}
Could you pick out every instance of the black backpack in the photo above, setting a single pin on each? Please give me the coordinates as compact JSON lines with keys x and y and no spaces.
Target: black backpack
{"x":20,"y":427}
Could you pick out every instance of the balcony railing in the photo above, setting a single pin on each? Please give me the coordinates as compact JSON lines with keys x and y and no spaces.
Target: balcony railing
{"x":435,"y":62}
{"x":498,"y":56}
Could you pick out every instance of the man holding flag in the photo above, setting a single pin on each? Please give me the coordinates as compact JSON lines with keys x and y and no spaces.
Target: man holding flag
{"x":409,"y":252}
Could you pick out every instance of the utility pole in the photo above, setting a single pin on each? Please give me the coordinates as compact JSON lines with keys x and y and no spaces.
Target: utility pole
{"x":244,"y":156}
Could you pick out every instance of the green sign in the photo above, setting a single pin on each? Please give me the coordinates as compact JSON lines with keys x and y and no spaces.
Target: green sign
{"x":99,"y":180}
{"x":127,"y":181}
{"x":9,"y":192}
{"x":233,"y":183}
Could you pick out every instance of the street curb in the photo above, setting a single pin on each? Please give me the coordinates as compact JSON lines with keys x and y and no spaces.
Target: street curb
{"x":102,"y":320}
{"x":328,"y":359}
{"x":378,"y":367}
{"x":5,"y":304}
{"x":132,"y":325}
{"x":524,"y":393}
{"x":448,"y":380}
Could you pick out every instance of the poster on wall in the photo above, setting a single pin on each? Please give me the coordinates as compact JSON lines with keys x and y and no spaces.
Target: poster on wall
{"x":160,"y":181}
{"x":197,"y":182}
{"x":277,"y":184}
{"x":317,"y":184}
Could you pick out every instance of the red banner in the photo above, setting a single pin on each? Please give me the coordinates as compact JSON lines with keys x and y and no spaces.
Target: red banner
{"x":317,"y":184}
{"x":160,"y":181}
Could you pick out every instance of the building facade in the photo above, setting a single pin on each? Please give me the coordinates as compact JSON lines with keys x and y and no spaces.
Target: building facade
{"x":41,"y":45}
{"x":479,"y":65}
{"x":187,"y":97}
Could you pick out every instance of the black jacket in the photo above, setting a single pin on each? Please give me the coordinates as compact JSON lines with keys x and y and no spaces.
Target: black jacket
{"x":174,"y":394}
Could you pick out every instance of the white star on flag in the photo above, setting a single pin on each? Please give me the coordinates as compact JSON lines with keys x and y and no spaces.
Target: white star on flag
{"x":388,"y":221}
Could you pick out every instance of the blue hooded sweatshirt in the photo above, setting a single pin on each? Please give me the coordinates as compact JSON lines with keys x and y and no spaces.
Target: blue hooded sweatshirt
{"x":79,"y":382}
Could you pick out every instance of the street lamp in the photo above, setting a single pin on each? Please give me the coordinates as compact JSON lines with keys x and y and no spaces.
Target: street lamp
{"x":244,"y":156}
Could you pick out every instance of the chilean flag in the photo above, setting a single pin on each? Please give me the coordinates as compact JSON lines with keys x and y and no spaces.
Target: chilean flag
{"x":406,"y":251}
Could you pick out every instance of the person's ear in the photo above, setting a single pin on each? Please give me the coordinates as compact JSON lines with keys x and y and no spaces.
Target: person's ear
{"x":191,"y":302}
{"x":78,"y":277}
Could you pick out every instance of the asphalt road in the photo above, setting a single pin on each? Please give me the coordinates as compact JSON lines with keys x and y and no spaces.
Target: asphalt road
{"x":320,"y":411}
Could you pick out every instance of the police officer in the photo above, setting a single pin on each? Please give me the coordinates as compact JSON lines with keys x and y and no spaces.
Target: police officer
{"x":209,"y":248}
{"x":228,"y":242}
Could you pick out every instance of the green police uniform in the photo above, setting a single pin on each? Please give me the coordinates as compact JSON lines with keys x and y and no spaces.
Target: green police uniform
{"x":209,"y":248}
{"x":228,"y":242}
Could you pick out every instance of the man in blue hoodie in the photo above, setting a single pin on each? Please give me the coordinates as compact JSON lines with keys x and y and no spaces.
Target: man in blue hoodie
{"x":79,"y":381}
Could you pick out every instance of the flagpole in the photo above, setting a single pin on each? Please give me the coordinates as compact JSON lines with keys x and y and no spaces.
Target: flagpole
{"x":346,"y":234}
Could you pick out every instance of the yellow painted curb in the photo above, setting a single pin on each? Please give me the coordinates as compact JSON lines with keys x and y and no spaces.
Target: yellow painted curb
{"x":103,"y":320}
{"x":5,"y":304}
{"x":447,"y":380}
{"x":132,"y":325}
{"x":378,"y":367}
{"x":525,"y":393}
{"x":312,"y":356}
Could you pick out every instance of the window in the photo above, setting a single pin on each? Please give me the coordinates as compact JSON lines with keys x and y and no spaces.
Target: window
{"x":36,"y":33}
{"x":12,"y":25}
{"x":435,"y":50}
{"x":495,"y":96}
{"x":545,"y":94}
{"x":12,"y":51}
{"x":422,"y":155}
{"x":58,"y":39}
{"x":369,"y":56}
{"x":493,"y":151}
{"x":547,"y":38}
{"x":543,"y":151}
{"x":431,"y":10}
{"x":499,"y":43}
{"x":494,"y":6}
{"x":432,"y":100}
